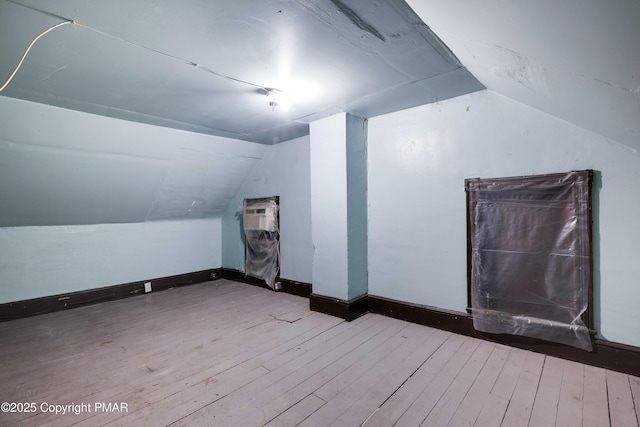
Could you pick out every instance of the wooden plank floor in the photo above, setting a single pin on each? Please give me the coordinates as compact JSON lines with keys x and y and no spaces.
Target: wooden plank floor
{"x":229,"y":354}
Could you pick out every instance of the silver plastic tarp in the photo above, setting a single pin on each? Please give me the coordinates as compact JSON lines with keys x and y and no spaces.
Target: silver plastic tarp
{"x":531,"y":266}
{"x":262,"y":245}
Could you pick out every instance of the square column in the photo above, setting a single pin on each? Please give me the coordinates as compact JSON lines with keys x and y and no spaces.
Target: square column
{"x":339,"y":215}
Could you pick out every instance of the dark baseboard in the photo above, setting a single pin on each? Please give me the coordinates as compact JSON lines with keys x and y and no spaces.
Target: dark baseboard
{"x":31,"y":307}
{"x":423,"y":315}
{"x":288,"y":286}
{"x":239,"y":276}
{"x":348,"y":310}
{"x":293,"y":287}
{"x":605,"y":354}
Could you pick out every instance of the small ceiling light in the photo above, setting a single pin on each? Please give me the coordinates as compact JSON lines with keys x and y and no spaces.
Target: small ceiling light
{"x":276,"y":99}
{"x":273,"y":95}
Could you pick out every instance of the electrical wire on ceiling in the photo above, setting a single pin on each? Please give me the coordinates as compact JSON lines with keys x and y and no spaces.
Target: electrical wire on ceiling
{"x":76,"y":23}
{"x":24,"y":55}
{"x":185,"y":61}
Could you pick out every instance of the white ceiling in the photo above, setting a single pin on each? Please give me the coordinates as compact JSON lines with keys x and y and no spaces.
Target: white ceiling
{"x":204,"y":66}
{"x":578,"y":60}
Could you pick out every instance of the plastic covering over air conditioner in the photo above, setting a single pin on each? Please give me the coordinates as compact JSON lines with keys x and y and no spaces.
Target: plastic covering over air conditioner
{"x":262,"y":238}
{"x":531,"y":256}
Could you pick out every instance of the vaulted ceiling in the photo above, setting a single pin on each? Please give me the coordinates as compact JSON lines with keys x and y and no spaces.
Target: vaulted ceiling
{"x":206,"y":66}
{"x":578,"y":60}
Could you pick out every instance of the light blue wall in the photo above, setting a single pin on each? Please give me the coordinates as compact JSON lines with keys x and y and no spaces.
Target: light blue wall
{"x":283,"y":171}
{"x":356,"y":146}
{"x":329,"y":206}
{"x":41,"y":261}
{"x":76,"y":190}
{"x":418,"y":160}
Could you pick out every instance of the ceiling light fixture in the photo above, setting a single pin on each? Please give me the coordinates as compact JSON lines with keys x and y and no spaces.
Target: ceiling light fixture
{"x":277,"y":99}
{"x":273,"y":95}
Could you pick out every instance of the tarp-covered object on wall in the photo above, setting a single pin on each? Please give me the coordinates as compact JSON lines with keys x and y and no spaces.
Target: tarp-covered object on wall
{"x":531,"y":256}
{"x":262,"y":236}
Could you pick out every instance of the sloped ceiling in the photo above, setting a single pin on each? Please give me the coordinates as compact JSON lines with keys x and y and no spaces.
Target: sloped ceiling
{"x":205,"y":66}
{"x":173,"y":64}
{"x":578,"y":60}
{"x":200,"y":66}
{"x":65,"y":167}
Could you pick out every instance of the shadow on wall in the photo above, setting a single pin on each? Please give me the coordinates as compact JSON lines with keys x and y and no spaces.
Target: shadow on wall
{"x":240,"y":221}
{"x":595,"y":194}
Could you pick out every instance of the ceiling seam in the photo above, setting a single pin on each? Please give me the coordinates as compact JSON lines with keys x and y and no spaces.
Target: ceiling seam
{"x":138,"y":45}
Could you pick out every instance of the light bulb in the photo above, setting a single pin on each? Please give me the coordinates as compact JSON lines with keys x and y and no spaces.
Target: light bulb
{"x":277,"y":99}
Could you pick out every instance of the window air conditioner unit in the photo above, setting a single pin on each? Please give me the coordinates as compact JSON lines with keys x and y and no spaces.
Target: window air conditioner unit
{"x":260,"y":216}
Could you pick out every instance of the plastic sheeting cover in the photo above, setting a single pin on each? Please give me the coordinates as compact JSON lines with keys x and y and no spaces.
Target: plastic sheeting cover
{"x":531,"y":267}
{"x":262,"y":231}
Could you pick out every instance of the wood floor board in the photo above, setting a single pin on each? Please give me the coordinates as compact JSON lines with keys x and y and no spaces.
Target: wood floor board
{"x":469,"y":409}
{"x":339,"y":334}
{"x":545,"y":406}
{"x":571,"y":394}
{"x":286,"y":397}
{"x":444,"y":346}
{"x":358,"y":364}
{"x":229,"y":354}
{"x":420,"y":408}
{"x":190,"y":400}
{"x":369,"y":389}
{"x":192,"y":371}
{"x":297,"y":413}
{"x":595,"y":407}
{"x":510,"y":373}
{"x":324,"y":378}
{"x":250,"y":354}
{"x":77,"y":389}
{"x":634,"y":382}
{"x":492,"y":412}
{"x":621,"y":407}
{"x":180,"y":386}
{"x":521,"y":402}
{"x":281,"y":378}
{"x":446,"y":407}
{"x":155,"y":365}
{"x":254,"y":358}
{"x":310,"y":378}
{"x":69,"y":349}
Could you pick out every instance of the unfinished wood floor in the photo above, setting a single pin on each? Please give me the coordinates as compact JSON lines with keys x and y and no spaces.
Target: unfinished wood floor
{"x":225,"y":353}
